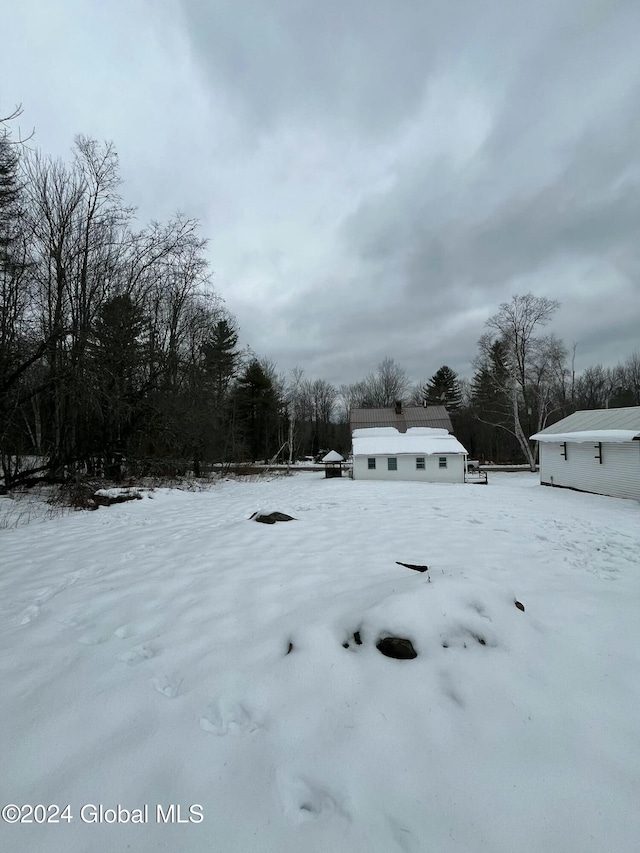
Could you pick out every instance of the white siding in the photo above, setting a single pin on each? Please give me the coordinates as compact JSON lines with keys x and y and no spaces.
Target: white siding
{"x":432,"y":473}
{"x":618,"y":475}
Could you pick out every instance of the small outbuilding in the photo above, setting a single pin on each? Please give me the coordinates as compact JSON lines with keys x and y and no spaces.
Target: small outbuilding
{"x":332,"y":462}
{"x":593,"y":451}
{"x":426,"y":454}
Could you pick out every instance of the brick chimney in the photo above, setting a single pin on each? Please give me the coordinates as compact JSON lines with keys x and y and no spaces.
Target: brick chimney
{"x":398,"y":407}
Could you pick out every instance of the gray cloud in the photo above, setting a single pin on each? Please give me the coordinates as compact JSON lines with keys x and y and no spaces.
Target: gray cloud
{"x":360,"y":63}
{"x":375,"y":176}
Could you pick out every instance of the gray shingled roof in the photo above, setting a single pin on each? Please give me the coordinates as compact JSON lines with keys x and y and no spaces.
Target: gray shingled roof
{"x":597,"y":419}
{"x":411,"y":416}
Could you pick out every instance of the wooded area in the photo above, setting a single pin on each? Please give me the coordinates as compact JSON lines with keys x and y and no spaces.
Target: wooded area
{"x":118,"y":359}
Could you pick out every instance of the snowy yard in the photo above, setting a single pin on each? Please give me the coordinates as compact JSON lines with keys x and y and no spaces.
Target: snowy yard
{"x":145,"y":662}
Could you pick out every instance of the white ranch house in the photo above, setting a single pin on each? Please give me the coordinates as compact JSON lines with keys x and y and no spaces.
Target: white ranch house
{"x":426,"y":454}
{"x":593,"y":451}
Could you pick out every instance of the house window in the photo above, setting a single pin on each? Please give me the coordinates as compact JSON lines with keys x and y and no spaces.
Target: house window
{"x":419,"y":463}
{"x":371,"y":463}
{"x":442,"y":461}
{"x":392,"y":463}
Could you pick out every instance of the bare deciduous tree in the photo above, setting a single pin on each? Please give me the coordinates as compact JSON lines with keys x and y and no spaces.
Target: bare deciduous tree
{"x":293,"y":398}
{"x":531,"y":365}
{"x":388,"y":384}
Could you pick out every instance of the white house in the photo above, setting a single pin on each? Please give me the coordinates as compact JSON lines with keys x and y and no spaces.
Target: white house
{"x":593,"y":451}
{"x":426,"y":454}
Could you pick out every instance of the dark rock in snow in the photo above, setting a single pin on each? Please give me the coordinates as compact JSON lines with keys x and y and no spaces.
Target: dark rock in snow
{"x":97,"y":499}
{"x":271,"y":517}
{"x":290,"y":649}
{"x":520,"y":605}
{"x":413,"y":566}
{"x":357,"y":639}
{"x":397,"y":647}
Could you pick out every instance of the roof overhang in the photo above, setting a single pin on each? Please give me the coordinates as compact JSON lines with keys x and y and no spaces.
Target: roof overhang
{"x":615,"y":436}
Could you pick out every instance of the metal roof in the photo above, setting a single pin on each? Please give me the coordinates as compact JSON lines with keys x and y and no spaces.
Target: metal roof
{"x":584,"y":436}
{"x":597,"y":419}
{"x":410,"y":416}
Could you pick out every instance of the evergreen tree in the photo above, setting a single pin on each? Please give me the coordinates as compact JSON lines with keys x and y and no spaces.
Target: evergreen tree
{"x":489,"y":385}
{"x":491,"y":407}
{"x":443,"y":389}
{"x":257,"y":411}
{"x":117,"y":372}
{"x":220,"y":358}
{"x":18,"y":344}
{"x":219,"y":365}
{"x":13,"y":291}
{"x":10,"y":207}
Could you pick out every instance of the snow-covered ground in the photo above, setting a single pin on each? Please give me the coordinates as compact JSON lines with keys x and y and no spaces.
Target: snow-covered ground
{"x":145,"y":662}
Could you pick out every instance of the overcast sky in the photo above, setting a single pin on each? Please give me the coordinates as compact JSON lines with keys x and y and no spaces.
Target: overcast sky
{"x":375,"y":176}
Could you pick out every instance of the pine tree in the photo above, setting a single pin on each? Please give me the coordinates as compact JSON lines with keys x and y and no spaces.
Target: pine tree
{"x":443,"y":389}
{"x":257,"y":410}
{"x":218,"y":366}
{"x":489,"y":386}
{"x":18,"y":347}
{"x":12,"y":261}
{"x":117,"y":371}
{"x":9,"y":200}
{"x":220,"y":358}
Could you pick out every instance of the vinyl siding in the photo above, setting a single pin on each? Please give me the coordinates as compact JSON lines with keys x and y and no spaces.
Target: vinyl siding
{"x":617,"y":476}
{"x":432,"y":473}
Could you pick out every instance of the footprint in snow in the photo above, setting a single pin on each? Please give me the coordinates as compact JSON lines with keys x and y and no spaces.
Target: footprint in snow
{"x":167,"y":685}
{"x":29,"y":614}
{"x":449,"y":688}
{"x":48,"y":592}
{"x":224,"y":716}
{"x":479,"y":609}
{"x":305,"y":800}
{"x":134,"y":656}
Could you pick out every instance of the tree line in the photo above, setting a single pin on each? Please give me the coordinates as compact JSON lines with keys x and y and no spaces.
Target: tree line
{"x":113,"y":344}
{"x":117,"y":357}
